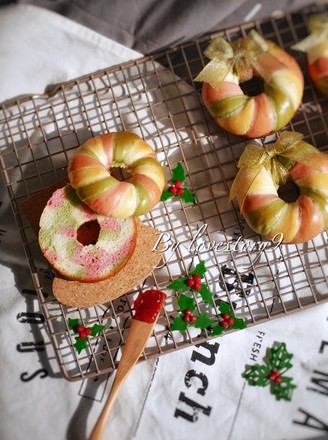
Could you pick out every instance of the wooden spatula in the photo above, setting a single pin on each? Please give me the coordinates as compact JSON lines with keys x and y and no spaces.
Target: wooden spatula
{"x":147,"y":307}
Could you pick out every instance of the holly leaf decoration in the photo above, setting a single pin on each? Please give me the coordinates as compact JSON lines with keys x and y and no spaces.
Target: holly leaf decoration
{"x":257,"y":375}
{"x":80,"y":344}
{"x":176,"y":189}
{"x":217,"y":330}
{"x":203,"y":321}
{"x":272,"y":372}
{"x":178,"y":173}
{"x":178,"y":284}
{"x":185,"y":303}
{"x":96,"y":328}
{"x":225,"y":308}
{"x":73,"y":323}
{"x":200,"y":269}
{"x":179,"y":324}
{"x":166,"y":194}
{"x":279,"y":358}
{"x":284,"y":390}
{"x":187,"y":196}
{"x":206,"y":294}
{"x":239,"y":324}
{"x":82,"y":339}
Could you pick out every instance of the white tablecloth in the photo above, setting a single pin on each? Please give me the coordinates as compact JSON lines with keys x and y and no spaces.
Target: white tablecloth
{"x":163,"y":398}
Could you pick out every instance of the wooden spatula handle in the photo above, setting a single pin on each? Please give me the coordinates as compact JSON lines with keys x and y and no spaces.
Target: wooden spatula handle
{"x":138,"y":336}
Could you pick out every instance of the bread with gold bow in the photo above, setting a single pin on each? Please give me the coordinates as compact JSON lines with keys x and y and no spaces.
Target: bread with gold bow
{"x":263,"y":170}
{"x":232,"y":63}
{"x":315,"y":45}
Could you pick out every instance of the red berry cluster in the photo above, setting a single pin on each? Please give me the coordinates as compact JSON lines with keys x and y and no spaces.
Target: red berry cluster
{"x":227,"y":320}
{"x":176,"y":188}
{"x":194,"y":282}
{"x":83,"y":331}
{"x":274,"y":376}
{"x":188,"y":316}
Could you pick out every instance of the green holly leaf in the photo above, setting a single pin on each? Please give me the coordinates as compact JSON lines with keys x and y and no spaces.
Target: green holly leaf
{"x":284,"y":390}
{"x":73,"y":323}
{"x":200,"y":269}
{"x":202,"y":321}
{"x":178,"y":173}
{"x":225,"y":308}
{"x":179,"y":324}
{"x":206,"y":294}
{"x":80,"y":344}
{"x":239,"y":323}
{"x":279,"y":358}
{"x":166,"y":194}
{"x":185,"y":303}
{"x":96,"y":328}
{"x":178,"y":284}
{"x":187,"y":196}
{"x":218,"y":330}
{"x":257,"y":375}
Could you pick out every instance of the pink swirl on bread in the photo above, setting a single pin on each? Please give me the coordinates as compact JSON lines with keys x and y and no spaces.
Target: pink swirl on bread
{"x":69,"y":254}
{"x":89,"y":174}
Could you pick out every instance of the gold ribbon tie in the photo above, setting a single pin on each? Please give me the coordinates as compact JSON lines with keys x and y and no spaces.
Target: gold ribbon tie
{"x":278,"y":158}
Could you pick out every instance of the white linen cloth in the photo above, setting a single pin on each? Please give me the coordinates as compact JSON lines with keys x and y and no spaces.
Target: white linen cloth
{"x":162,"y":399}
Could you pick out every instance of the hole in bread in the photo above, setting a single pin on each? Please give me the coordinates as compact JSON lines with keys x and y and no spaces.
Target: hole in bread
{"x":289,"y":191}
{"x":252,"y":87}
{"x":120,"y":173}
{"x":88,"y":233}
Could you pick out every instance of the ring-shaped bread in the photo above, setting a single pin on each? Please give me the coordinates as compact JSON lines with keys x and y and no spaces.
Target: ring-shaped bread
{"x":75,"y":259}
{"x":234,"y":63}
{"x":315,"y":45}
{"x":89,"y":174}
{"x":263,"y":170}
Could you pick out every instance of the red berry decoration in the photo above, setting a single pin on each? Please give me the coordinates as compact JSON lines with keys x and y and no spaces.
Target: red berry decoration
{"x":83,"y":333}
{"x":225,"y":316}
{"x":230,"y":321}
{"x":197,"y":278}
{"x":224,"y":324}
{"x":176,"y":187}
{"x":190,"y":282}
{"x":278,"y":379}
{"x":197,"y":286}
{"x":272,"y":372}
{"x":188,"y":316}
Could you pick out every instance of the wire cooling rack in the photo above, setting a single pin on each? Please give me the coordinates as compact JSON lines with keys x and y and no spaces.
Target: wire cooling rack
{"x":156,"y":97}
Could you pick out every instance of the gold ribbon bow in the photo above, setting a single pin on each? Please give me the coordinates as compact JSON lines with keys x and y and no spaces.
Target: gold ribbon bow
{"x":278,"y":158}
{"x":316,"y":43}
{"x":239,"y":57}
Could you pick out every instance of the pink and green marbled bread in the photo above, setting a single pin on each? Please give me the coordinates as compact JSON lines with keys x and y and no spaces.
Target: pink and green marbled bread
{"x":89,"y":174}
{"x":267,"y":112}
{"x":60,"y":221}
{"x":268,"y":214}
